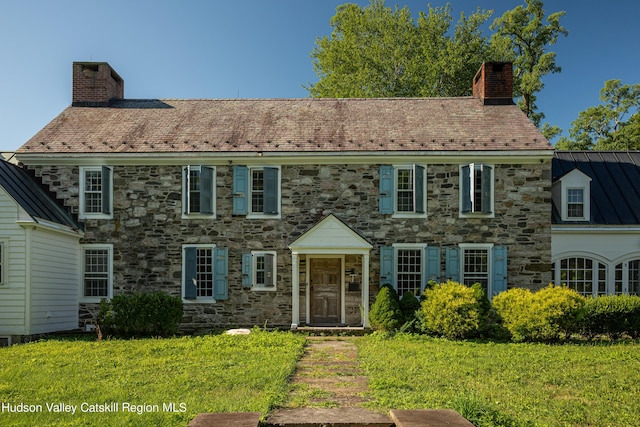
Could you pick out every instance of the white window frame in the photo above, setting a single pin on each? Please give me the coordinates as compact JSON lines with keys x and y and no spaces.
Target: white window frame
{"x":573,"y":180}
{"x":262,"y":215}
{"x":199,"y":299}
{"x":254,"y":271}
{"x":609,"y":279}
{"x":186,"y":194}
{"x":109,"y":249}
{"x":83,"y":214}
{"x":488,"y":247}
{"x":409,"y":214}
{"x":568,"y":203}
{"x":422,"y":247}
{"x":472,"y":178}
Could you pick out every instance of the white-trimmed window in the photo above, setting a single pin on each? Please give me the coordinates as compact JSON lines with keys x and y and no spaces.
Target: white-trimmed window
{"x":409,"y":266}
{"x":627,"y":277}
{"x":199,"y":191}
{"x":259,"y":270}
{"x":575,"y":203}
{"x":587,"y":276}
{"x":476,"y":190}
{"x":482,"y":263}
{"x":97,"y":280}
{"x":256,"y":191}
{"x":205,"y":273}
{"x":403,"y":190}
{"x":96,"y":195}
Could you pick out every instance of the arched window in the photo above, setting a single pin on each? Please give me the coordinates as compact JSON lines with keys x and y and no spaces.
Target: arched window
{"x":587,"y":276}
{"x":627,"y":277}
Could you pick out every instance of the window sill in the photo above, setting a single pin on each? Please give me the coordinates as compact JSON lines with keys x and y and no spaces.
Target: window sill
{"x":94,"y":216}
{"x":263,"y":289}
{"x":199,"y":301}
{"x":476,"y":215}
{"x":198,"y":216}
{"x":408,"y":215}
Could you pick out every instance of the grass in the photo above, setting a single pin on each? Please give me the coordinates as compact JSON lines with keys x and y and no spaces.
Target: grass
{"x":221,"y":373}
{"x":506,"y":384}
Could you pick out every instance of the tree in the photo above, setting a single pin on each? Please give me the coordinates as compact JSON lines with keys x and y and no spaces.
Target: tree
{"x":377,"y":51}
{"x":527,"y":37}
{"x":603,"y":127}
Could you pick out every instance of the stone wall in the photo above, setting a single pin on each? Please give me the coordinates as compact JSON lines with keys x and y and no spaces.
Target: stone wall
{"x":147,"y":230}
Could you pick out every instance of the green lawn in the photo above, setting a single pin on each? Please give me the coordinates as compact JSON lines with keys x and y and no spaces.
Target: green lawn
{"x":507,"y":384}
{"x":142,"y":379}
{"x":499,"y":384}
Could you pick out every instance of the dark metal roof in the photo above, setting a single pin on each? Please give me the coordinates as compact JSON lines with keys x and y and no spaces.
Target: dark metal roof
{"x":31,"y":196}
{"x":615,"y":185}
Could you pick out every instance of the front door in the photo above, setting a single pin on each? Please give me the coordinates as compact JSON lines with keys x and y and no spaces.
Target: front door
{"x":325,"y":290}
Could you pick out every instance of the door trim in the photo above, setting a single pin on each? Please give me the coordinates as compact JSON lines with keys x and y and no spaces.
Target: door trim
{"x":341,"y":291}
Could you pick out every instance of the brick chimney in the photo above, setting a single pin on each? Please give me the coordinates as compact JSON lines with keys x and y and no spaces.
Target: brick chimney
{"x":95,"y":84}
{"x":493,"y":83}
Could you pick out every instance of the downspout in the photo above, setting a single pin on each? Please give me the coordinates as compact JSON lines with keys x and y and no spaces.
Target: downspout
{"x":27,"y":278}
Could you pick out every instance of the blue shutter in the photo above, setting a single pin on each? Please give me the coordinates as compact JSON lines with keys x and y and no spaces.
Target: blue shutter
{"x":269,"y":280}
{"x":106,"y":190}
{"x":247,"y":270}
{"x":240,"y":189}
{"x":270,"y":206}
{"x":206,"y":190}
{"x":466,"y":188}
{"x":185,"y":190}
{"x":499,"y":283}
{"x":452,"y":264}
{"x":220,"y":273}
{"x":418,"y":176}
{"x":486,"y":189}
{"x":190,"y":273}
{"x":433,"y":263}
{"x":386,"y":189}
{"x":386,"y":266}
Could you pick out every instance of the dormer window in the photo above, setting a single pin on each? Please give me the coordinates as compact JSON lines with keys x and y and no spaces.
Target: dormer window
{"x":575,"y":203}
{"x":571,"y":195}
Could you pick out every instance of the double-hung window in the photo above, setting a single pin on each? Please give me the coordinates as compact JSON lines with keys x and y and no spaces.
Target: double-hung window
{"x":476,"y":189}
{"x":575,"y":203}
{"x":472,"y":263}
{"x":256,"y":191}
{"x":199,"y":191}
{"x":403,"y":190}
{"x":409,"y":266}
{"x":97,"y":280}
{"x":259,"y":270}
{"x":96,"y":196}
{"x":205,"y":273}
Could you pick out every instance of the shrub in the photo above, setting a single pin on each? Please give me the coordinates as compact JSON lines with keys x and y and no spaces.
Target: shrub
{"x":549,"y":314}
{"x":453,"y":310}
{"x":613,"y":316}
{"x":409,"y":304}
{"x":140,"y":315}
{"x":385,"y":314}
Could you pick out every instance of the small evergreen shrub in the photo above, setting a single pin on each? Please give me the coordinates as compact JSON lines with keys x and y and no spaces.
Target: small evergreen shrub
{"x":385,"y":314}
{"x":547,"y":315}
{"x":453,"y":310}
{"x":140,"y":315}
{"x":613,"y":316}
{"x":409,"y":304}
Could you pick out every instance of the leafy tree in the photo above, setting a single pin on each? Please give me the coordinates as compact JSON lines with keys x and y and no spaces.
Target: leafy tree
{"x":376,"y":51}
{"x":527,"y":37}
{"x":603,"y":127}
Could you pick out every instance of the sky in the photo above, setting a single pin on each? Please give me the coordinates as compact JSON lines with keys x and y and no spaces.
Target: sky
{"x":255,"y":49}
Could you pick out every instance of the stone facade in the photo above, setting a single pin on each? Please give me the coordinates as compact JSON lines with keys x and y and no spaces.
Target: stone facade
{"x":148,"y":230}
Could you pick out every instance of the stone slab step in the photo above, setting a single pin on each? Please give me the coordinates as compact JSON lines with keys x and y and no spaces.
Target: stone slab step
{"x":327,"y":417}
{"x":428,"y":418}
{"x":227,"y":419}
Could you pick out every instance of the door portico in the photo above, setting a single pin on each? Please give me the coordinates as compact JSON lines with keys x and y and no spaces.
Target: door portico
{"x":320,"y":256}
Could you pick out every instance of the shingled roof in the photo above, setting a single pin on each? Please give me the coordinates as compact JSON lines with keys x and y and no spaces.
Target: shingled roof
{"x":31,"y":197}
{"x":288,"y":125}
{"x":615,"y":184}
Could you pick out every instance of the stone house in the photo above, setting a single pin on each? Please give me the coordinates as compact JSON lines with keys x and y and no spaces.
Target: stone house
{"x":292,"y":212}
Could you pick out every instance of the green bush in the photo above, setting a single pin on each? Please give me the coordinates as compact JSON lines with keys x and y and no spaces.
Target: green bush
{"x":140,"y":315}
{"x":385,"y":314}
{"x":453,"y":310}
{"x":409,"y":304}
{"x":547,"y":315}
{"x":613,"y":316}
